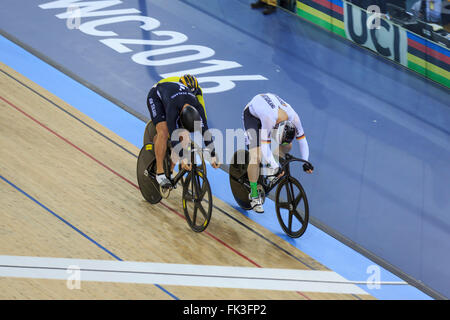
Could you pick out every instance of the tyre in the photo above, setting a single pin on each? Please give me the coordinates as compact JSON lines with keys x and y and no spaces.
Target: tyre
{"x":291,"y":206}
{"x":197,"y":200}
{"x":239,"y":179}
{"x":146,"y":169}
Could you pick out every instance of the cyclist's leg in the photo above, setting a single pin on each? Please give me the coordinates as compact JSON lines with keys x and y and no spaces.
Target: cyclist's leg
{"x":253,"y":172}
{"x":158,"y":115}
{"x":150,"y":136}
{"x":253,"y":166}
{"x":252,"y":126}
{"x":161,"y":145}
{"x":281,"y":151}
{"x":179,"y":151}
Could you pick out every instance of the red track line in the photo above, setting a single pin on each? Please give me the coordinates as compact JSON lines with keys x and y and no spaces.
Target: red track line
{"x":131,"y":183}
{"x":67,"y":141}
{"x":215,"y":238}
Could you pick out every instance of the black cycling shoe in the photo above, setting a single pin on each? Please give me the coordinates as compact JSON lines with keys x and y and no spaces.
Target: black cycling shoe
{"x":257,"y":5}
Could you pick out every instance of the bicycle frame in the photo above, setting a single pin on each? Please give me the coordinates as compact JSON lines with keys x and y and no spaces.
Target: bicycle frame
{"x":285,"y":197}
{"x":287,"y":173}
{"x":288,"y":159}
{"x":181,"y":173}
{"x":196,"y":194}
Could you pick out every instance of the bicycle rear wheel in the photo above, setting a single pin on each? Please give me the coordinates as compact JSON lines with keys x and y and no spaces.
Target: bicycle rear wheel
{"x":239,"y":178}
{"x":197,"y":200}
{"x":291,"y":206}
{"x":146,"y":168}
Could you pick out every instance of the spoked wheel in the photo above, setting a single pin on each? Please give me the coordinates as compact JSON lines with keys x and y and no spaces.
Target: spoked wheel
{"x":146,"y":168}
{"x":291,"y":205}
{"x":239,"y":178}
{"x":197,"y":200}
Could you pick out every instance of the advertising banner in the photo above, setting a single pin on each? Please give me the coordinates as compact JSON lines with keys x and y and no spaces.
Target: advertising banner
{"x":380,"y":35}
{"x":376,"y":34}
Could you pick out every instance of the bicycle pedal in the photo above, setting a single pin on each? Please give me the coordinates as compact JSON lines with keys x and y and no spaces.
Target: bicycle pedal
{"x":165,"y":192}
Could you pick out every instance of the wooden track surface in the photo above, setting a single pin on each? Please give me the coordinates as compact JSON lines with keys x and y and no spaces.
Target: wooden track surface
{"x":90,"y":182}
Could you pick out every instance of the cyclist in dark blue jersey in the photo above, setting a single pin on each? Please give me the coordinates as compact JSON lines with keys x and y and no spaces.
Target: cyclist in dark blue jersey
{"x":172,"y":106}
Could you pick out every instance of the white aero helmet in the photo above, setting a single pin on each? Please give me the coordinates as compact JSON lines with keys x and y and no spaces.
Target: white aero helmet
{"x":284,"y":132}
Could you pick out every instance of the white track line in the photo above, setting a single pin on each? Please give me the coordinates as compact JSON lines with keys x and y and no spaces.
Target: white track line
{"x":180,"y":274}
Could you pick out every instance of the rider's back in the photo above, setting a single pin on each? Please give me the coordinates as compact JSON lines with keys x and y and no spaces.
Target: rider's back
{"x":175,"y":95}
{"x":266,"y":105}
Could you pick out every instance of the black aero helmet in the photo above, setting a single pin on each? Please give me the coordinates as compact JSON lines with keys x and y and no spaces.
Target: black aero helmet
{"x":188,"y":117}
{"x":285,"y":132}
{"x":189,"y":81}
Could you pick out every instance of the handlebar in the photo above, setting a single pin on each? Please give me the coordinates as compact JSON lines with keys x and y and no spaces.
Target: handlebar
{"x":289,"y":158}
{"x":199,"y":149}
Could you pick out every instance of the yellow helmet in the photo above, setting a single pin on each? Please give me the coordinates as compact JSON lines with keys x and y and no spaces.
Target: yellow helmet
{"x":189,"y":81}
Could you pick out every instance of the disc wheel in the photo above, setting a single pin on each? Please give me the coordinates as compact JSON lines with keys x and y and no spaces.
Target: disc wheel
{"x":239,"y":178}
{"x":291,"y":206}
{"x":197,"y":200}
{"x":146,"y":168}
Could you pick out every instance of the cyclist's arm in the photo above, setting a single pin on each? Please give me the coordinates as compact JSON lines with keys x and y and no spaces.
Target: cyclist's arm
{"x":209,"y":143}
{"x":300,"y":137}
{"x":304,"y":149}
{"x":199,"y":95}
{"x":172,"y":114}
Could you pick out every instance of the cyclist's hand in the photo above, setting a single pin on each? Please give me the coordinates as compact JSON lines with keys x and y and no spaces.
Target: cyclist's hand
{"x":214,"y":163}
{"x":308,"y":168}
{"x":280,"y":173}
{"x":185,"y":165}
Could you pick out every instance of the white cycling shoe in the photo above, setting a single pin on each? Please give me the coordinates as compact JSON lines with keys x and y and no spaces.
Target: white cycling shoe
{"x":163,"y":181}
{"x":256,"y":204}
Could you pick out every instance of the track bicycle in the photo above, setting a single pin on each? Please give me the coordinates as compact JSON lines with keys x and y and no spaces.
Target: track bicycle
{"x":196,"y":197}
{"x":291,"y":203}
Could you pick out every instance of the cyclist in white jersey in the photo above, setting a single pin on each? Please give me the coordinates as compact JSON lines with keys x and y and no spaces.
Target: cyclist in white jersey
{"x":268,"y":118}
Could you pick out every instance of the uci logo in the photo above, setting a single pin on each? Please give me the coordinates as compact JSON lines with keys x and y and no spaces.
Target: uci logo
{"x":384,"y":37}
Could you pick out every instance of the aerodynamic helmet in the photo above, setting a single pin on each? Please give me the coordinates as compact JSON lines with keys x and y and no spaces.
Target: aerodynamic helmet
{"x":189,"y":81}
{"x":188,"y":117}
{"x":284,"y":132}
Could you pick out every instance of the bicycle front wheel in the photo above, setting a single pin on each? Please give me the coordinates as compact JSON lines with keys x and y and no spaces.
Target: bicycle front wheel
{"x":291,"y":206}
{"x":198,"y":159}
{"x":197,"y":200}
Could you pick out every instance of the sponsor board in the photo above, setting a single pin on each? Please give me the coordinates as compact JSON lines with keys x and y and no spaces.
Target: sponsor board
{"x":368,"y":29}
